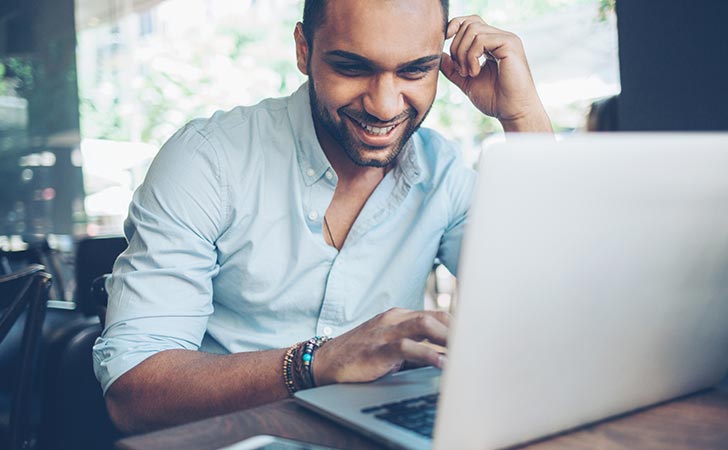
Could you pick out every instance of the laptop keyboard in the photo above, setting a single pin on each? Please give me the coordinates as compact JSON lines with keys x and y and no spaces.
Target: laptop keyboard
{"x":415,"y":414}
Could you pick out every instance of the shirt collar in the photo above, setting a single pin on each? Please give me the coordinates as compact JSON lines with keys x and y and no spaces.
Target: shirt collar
{"x":408,"y":162}
{"x":312,"y":161}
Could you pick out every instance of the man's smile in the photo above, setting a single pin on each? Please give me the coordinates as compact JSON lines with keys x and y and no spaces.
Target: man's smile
{"x":375,"y":133}
{"x":380,"y":131}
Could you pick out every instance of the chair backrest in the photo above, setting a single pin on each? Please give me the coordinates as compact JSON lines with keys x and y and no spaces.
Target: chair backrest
{"x":37,"y":252}
{"x":94,"y":257}
{"x":100,"y":297}
{"x":74,"y":411}
{"x":24,"y":291}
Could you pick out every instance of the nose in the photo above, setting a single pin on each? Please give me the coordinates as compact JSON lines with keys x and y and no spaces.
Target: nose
{"x":384,"y":99}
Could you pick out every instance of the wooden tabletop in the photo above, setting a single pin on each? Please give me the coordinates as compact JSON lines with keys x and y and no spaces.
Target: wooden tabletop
{"x":698,"y":421}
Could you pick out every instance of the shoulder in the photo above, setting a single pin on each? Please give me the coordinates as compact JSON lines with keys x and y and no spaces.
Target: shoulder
{"x":241,"y":119}
{"x":231,"y":140}
{"x":440,"y":158}
{"x":230,"y":131}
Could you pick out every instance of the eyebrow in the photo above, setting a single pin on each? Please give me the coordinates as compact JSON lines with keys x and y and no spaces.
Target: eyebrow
{"x":363,"y":60}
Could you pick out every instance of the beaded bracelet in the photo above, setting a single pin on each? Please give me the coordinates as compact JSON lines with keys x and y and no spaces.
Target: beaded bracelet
{"x":298,"y":372}
{"x":309,"y":349}
{"x":287,"y":372}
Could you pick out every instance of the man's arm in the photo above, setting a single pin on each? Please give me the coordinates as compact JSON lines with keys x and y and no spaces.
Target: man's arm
{"x":177,"y":386}
{"x":500,"y":85}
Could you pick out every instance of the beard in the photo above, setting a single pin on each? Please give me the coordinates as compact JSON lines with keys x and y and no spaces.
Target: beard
{"x":354,"y":148}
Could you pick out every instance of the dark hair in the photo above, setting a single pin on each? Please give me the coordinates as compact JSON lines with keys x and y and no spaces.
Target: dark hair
{"x":314,"y":14}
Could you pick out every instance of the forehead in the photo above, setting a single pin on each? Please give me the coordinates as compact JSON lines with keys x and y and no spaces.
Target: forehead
{"x":382,"y":29}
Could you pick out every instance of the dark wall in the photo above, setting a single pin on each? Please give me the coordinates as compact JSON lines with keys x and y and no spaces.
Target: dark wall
{"x":39,"y":116}
{"x":673,"y":57}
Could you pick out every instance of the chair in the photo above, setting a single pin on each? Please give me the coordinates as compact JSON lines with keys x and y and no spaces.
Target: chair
{"x":100,"y":298}
{"x":22,"y":292}
{"x":37,"y":252}
{"x":74,"y":411}
{"x":94,"y":257}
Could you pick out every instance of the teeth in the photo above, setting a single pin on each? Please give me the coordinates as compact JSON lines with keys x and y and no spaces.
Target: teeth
{"x":377,"y":130}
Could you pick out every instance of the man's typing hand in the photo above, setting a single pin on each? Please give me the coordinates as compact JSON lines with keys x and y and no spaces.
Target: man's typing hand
{"x":382,"y":345}
{"x":489,"y":65}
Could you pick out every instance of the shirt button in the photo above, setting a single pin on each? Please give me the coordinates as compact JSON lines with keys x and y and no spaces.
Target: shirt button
{"x":327,"y":331}
{"x":329,"y":175}
{"x":313,"y":215}
{"x":310,"y":172}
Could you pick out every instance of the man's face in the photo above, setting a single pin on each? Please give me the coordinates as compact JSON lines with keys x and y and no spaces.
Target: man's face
{"x":373,"y":74}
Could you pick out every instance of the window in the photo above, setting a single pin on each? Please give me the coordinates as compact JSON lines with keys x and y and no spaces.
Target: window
{"x":145,"y":67}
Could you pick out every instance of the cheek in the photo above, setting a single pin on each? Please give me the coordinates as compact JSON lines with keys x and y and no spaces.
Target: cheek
{"x":421,"y":96}
{"x":335,"y":91}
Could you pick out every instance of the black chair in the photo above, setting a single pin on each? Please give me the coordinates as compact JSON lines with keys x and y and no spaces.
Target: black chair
{"x":24,"y":292}
{"x":94,"y":257}
{"x":74,"y":411}
{"x":100,"y":298}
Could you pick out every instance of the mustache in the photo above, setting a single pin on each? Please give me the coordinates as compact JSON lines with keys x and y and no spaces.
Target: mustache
{"x":365,"y":117}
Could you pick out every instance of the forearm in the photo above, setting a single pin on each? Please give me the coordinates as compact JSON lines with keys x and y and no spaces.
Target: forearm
{"x":178,"y":386}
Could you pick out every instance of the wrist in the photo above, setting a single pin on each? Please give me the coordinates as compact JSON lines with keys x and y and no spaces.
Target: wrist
{"x":298,"y":365}
{"x":308,"y":356}
{"x":536,"y":122}
{"x":321,"y":370}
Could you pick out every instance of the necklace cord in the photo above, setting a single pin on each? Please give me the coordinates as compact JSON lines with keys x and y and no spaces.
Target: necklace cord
{"x":331,"y":236}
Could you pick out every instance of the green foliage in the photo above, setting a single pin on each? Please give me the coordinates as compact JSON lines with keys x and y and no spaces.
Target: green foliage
{"x":240,"y":60}
{"x":606,"y":8}
{"x":16,"y":74}
{"x":146,"y":89}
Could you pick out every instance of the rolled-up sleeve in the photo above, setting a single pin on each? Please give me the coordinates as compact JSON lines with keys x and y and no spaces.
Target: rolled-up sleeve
{"x":160,"y":291}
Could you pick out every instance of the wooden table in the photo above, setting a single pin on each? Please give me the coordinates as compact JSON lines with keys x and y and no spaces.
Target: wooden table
{"x":698,"y":421}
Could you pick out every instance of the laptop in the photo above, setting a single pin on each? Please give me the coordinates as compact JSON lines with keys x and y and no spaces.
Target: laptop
{"x":593,"y":281}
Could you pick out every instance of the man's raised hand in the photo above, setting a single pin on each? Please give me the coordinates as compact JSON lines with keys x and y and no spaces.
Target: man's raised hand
{"x":489,"y":65}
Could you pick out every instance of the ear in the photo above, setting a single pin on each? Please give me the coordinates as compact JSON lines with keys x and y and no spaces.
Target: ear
{"x":301,"y":49}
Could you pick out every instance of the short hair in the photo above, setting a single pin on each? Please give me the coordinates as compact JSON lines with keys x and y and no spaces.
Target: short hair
{"x":314,"y":14}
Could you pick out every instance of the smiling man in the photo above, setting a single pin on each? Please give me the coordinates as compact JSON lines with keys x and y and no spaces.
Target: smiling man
{"x":286,"y":245}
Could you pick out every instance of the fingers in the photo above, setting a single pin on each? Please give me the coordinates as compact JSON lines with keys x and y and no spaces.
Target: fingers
{"x":417,"y":325}
{"x":398,"y":315}
{"x":452,"y":27}
{"x":430,"y":327}
{"x":382,"y":344}
{"x":475,"y":40}
{"x":417,"y":353}
{"x":450,"y":70}
{"x":463,"y":41}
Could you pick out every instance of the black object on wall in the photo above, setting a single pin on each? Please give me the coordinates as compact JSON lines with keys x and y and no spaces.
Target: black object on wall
{"x":673,"y":57}
{"x":16,"y":27}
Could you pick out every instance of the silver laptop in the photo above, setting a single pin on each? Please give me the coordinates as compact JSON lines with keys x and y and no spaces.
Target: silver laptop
{"x":594,"y":281}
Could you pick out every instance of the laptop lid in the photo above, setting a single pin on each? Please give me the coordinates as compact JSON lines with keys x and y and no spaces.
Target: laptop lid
{"x":594,"y":281}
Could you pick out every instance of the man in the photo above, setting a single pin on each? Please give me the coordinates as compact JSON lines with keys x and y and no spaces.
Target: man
{"x":317,"y":214}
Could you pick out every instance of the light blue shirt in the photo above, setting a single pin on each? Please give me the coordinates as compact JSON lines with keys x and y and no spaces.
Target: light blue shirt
{"x":226,"y":251}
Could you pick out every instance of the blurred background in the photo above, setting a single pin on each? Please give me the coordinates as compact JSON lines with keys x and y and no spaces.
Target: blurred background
{"x":90,"y":90}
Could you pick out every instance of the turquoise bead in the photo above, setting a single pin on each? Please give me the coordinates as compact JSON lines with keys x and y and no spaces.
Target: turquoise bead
{"x":307,"y":357}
